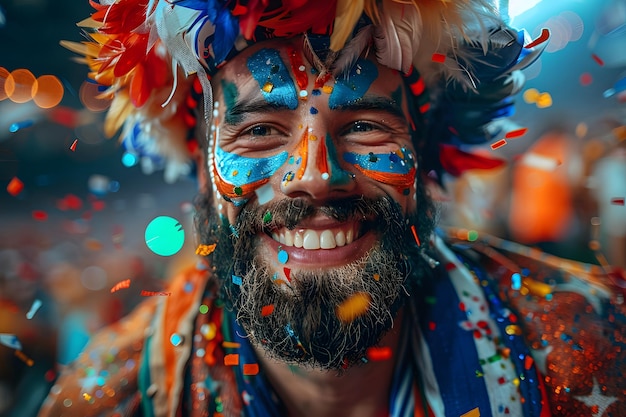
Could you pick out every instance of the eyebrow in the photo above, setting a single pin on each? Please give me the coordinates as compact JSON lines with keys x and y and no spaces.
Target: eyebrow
{"x":375,"y":103}
{"x":236,"y":113}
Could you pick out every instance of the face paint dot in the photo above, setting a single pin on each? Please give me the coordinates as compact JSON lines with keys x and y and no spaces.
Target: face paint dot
{"x":314,"y":110}
{"x":283,"y":256}
{"x":372,"y":157}
{"x":325,"y":176}
{"x":165,"y":236}
{"x":176,"y":339}
{"x":268,"y":87}
{"x":303,"y":93}
{"x":238,"y":190}
{"x":291,"y":161}
{"x":275,"y":68}
{"x":313,"y":137}
{"x":301,"y":68}
{"x":235,"y":172}
{"x":203,"y":309}
{"x":327,"y":89}
{"x":316,"y":92}
{"x":216,"y":112}
{"x":406,"y":191}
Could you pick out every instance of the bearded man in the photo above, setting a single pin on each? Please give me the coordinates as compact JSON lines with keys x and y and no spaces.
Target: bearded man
{"x":325,"y":290}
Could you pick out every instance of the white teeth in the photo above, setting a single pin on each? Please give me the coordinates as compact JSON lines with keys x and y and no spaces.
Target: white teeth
{"x":349,"y":236}
{"x":298,"y":239}
{"x":311,"y":240}
{"x":327,"y":240}
{"x":314,"y":239}
{"x":340,"y":239}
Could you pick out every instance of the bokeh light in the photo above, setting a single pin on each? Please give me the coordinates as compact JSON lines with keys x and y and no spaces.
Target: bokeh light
{"x":90,"y":96}
{"x":4,"y":74}
{"x":47,"y":92}
{"x":19,"y":85}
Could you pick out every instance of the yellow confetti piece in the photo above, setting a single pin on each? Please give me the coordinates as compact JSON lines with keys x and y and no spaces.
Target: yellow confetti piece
{"x":536,"y":288}
{"x":377,"y":277}
{"x":544,"y":100}
{"x":531,"y":95}
{"x":231,"y":345}
{"x":209,"y":332}
{"x":353,"y":307}
{"x":473,"y":413}
{"x":86,"y":396}
{"x":204,"y":250}
{"x":327,"y":89}
{"x":513,"y":330}
{"x":268,"y":87}
{"x":28,"y":361}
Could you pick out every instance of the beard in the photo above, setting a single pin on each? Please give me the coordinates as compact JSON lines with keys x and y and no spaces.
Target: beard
{"x":306,"y":326}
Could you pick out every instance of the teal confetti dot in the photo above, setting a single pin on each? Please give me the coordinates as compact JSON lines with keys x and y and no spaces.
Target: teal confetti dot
{"x":236,"y":280}
{"x":283,"y":256}
{"x":176,"y":339}
{"x":165,"y":236}
{"x":516,"y":281}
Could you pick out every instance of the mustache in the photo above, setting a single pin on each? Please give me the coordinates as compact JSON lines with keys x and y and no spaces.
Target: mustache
{"x":290,"y":212}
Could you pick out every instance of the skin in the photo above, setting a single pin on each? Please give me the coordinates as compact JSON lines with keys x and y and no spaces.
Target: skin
{"x":308,"y":141}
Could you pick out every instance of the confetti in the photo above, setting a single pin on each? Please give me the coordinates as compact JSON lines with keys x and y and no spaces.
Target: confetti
{"x":498,"y":144}
{"x":231,"y":345}
{"x":379,"y":353}
{"x":516,"y":281}
{"x":585,"y":79}
{"x":73,"y":145}
{"x":15,"y":186}
{"x":28,"y":361}
{"x":204,"y":250}
{"x":33,"y":309}
{"x":86,"y":396}
{"x":472,"y":413}
{"x":203,"y":309}
{"x":598,"y":60}
{"x":250,"y":368}
{"x":439,"y":58}
{"x":516,"y":133}
{"x":283,"y":256}
{"x":417,"y":239}
{"x":353,"y":307}
{"x":120,"y":285}
{"x":618,"y":201}
{"x":267,"y":310}
{"x":176,"y":339}
{"x":20,"y":125}
{"x":145,"y":293}
{"x":544,"y":100}
{"x":165,"y":236}
{"x":40,"y":215}
{"x":231,"y":359}
{"x":236,"y":280}
{"x":287,"y":272}
{"x":10,"y":340}
{"x":265,"y":193}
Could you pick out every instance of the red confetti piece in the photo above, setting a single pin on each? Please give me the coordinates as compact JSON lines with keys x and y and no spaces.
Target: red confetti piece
{"x":250,"y":368}
{"x":598,"y":60}
{"x":40,"y":215}
{"x":287,"y":272}
{"x":267,"y":310}
{"x":145,"y":293}
{"x":450,"y":266}
{"x":618,"y":201}
{"x":231,"y":359}
{"x":379,"y":353}
{"x":120,"y":285}
{"x":528,"y":362}
{"x":498,"y":144}
{"x":15,"y":186}
{"x":417,"y":239}
{"x":70,"y":202}
{"x":585,"y":79}
{"x":432,"y":326}
{"x":73,"y":145}
{"x":439,"y":58}
{"x":545,"y":34}
{"x":516,"y":133}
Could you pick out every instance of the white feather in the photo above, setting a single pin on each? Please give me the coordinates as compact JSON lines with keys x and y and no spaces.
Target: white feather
{"x":398,"y":36}
{"x":353,"y":50}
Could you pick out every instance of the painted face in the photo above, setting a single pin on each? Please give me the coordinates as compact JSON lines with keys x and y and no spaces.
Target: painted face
{"x":282,"y":132}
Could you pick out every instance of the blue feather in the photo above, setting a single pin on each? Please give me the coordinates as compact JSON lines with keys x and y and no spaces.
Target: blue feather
{"x":226,"y":32}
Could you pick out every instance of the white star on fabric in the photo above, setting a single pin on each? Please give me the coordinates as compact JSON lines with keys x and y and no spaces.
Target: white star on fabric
{"x":596,"y":399}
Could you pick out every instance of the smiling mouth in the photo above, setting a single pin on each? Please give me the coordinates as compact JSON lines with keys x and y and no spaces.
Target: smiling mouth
{"x":313,"y":239}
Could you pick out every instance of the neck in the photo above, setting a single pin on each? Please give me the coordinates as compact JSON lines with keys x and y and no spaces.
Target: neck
{"x":361,"y":390}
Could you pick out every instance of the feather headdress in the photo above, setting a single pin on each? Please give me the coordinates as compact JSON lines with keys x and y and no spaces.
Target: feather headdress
{"x":148,"y":54}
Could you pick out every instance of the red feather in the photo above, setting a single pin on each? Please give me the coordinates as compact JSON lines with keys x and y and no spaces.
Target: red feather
{"x":456,"y":162}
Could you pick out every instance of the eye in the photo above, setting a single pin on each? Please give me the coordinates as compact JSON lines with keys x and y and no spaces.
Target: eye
{"x":361,"y":126}
{"x":261,"y":131}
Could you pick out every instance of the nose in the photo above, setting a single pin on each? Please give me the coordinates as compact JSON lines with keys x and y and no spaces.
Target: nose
{"x":315,"y":171}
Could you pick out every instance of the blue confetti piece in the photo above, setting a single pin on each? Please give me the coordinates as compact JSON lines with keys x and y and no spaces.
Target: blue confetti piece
{"x":516,"y":281}
{"x":20,"y":125}
{"x":283,"y":256}
{"x":176,"y":339}
{"x":236,"y":280}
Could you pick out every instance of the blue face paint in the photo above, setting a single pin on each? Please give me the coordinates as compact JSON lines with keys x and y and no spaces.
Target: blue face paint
{"x":353,"y":87}
{"x":400,"y":162}
{"x":240,"y":170}
{"x":277,"y":86}
{"x":337,"y":175}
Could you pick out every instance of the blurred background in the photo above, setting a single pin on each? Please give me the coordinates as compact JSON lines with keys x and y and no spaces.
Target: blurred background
{"x":74,"y":206}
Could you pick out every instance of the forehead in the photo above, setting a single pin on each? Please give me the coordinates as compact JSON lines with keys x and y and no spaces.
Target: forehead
{"x":259,"y":61}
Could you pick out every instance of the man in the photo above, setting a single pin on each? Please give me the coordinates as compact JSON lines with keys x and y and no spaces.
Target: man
{"x":326,"y":291}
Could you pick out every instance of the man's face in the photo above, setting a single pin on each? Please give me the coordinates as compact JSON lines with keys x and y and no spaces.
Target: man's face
{"x":314,"y":182}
